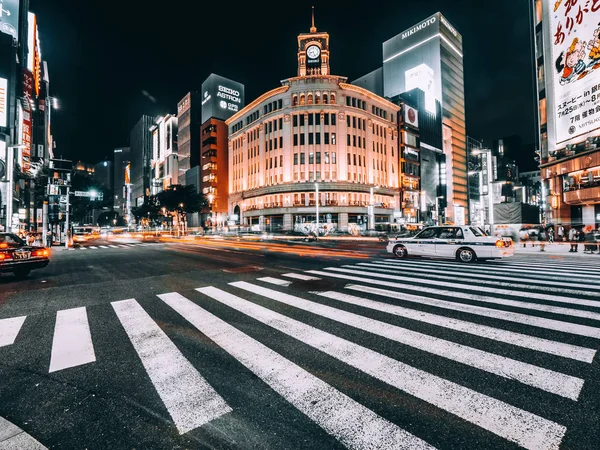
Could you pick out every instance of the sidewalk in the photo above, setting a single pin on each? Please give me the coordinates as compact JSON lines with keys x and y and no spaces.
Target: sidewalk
{"x":556,"y":248}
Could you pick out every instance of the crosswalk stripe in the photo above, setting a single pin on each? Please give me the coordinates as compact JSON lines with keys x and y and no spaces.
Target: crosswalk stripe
{"x":93,"y":247}
{"x":481,"y":298}
{"x":545,"y":379}
{"x":549,"y":274}
{"x":275,"y":281}
{"x":539,"y":322}
{"x":82,"y":248}
{"x":512,"y":423}
{"x":113,"y":246}
{"x":103,"y":246}
{"x":356,"y":426}
{"x":509,"y":337}
{"x":584,"y":269}
{"x":489,"y":277}
{"x":123,"y":246}
{"x":72,"y":343}
{"x":300,"y":276}
{"x":9,"y":329}
{"x":188,"y":397}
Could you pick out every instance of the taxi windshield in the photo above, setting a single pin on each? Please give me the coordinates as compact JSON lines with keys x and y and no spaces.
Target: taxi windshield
{"x":477,"y":231}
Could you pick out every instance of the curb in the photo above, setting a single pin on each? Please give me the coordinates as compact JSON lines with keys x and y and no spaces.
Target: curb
{"x":13,"y":438}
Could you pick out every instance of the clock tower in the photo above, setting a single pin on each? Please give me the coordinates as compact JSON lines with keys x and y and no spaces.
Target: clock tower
{"x":313,"y":52}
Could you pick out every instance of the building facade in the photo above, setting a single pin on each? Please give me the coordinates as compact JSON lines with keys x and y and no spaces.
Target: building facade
{"x":120,"y":164}
{"x":188,"y":133}
{"x":165,"y":159}
{"x":221,"y":99}
{"x":568,"y":83}
{"x":314,"y":145}
{"x":429,"y":56}
{"x":103,"y":174}
{"x":141,"y":158}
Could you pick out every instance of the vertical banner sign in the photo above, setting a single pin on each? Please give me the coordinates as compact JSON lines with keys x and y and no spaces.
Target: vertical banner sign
{"x":27,"y":94}
{"x":9,"y":17}
{"x":3,"y":101}
{"x":575,"y":38}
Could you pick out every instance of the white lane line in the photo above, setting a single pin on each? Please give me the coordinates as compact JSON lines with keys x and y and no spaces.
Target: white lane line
{"x":488,"y":278}
{"x":72,"y":343}
{"x":299,"y":276}
{"x":529,"y":374}
{"x":496,"y":270}
{"x":540,"y":322}
{"x":9,"y":329}
{"x":13,"y":438}
{"x":354,"y":425}
{"x":275,"y":281}
{"x":496,"y":334}
{"x":482,"y":298}
{"x":188,"y":397}
{"x":512,"y":423}
{"x":103,"y":246}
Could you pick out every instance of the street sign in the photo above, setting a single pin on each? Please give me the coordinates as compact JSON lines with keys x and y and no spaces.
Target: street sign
{"x":93,"y":195}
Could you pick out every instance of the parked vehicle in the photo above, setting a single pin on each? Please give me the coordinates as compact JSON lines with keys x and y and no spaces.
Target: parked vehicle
{"x":19,"y":258}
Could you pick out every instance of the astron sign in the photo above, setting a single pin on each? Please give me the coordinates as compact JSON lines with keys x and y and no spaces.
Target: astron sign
{"x":419,"y":27}
{"x":221,"y":98}
{"x":231,"y":98}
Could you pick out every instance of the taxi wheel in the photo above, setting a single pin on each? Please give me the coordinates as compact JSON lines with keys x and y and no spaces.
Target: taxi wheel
{"x":466,"y":255}
{"x":22,"y":273}
{"x":400,"y":251}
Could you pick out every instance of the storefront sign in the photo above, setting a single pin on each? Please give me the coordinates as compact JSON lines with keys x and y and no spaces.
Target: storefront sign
{"x":26,"y":122}
{"x":575,"y":66}
{"x":411,"y":116}
{"x":9,"y":17}
{"x":3,"y":101}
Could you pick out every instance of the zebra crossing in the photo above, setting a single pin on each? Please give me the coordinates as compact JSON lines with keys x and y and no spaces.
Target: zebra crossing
{"x":109,"y":246}
{"x":534,"y":326}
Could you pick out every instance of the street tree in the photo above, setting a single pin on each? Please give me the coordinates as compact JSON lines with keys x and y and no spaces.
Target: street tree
{"x":179,"y":200}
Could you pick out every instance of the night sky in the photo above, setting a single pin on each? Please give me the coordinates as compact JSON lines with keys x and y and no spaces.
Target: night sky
{"x":111,"y":62}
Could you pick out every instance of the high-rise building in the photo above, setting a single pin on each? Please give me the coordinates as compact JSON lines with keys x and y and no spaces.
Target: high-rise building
{"x":568,"y":85}
{"x":221,"y":99}
{"x":188,"y":138}
{"x":429,"y":56}
{"x":315,"y":151}
{"x":120,"y":163}
{"x":140,"y":144}
{"x":103,"y":174}
{"x":165,"y":164}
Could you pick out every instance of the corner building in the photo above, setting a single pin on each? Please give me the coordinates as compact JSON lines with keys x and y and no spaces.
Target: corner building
{"x":315,"y":139}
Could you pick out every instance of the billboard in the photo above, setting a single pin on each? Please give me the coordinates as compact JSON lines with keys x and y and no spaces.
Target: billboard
{"x":3,"y":102}
{"x":9,"y":17}
{"x":411,"y":116}
{"x":574,"y":33}
{"x":221,"y":98}
{"x":26,"y":122}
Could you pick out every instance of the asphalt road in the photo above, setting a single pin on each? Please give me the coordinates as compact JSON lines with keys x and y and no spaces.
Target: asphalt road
{"x":293,"y":346}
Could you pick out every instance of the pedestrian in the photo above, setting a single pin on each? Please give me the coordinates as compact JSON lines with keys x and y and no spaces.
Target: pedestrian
{"x":573,"y":238}
{"x":542,"y":238}
{"x":590,"y":241}
{"x":524,"y":236}
{"x":561,"y":233}
{"x":551,"y":235}
{"x":49,"y":239}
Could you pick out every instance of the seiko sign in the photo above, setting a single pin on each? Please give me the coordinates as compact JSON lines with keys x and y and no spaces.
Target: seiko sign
{"x":221,"y":97}
{"x":419,"y":27}
{"x":229,"y":95}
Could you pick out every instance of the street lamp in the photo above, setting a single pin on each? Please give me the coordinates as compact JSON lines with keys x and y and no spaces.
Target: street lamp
{"x":371,"y":209}
{"x":317,"y":205}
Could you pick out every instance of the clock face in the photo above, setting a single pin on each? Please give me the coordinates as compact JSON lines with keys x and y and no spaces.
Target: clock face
{"x":313,"y":52}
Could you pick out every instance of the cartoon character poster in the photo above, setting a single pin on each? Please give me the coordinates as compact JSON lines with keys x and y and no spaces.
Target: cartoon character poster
{"x":575,"y":41}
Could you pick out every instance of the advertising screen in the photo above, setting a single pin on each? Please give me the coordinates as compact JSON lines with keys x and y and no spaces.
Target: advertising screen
{"x":574,"y":33}
{"x":9,"y":17}
{"x":221,"y":98}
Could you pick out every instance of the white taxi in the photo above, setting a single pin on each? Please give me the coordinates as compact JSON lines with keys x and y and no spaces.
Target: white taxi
{"x":464,"y":243}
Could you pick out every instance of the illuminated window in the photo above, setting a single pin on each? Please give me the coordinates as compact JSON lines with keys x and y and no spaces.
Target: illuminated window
{"x":294,"y":100}
{"x":310,"y":99}
{"x":332,"y":101}
{"x":317,"y":98}
{"x":325,"y":98}
{"x":302,"y":100}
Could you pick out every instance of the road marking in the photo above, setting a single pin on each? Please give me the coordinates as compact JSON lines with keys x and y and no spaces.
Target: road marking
{"x":300,"y":276}
{"x":72,"y":343}
{"x":496,"y":334}
{"x":123,"y":246}
{"x":354,"y":425}
{"x":276,"y":281}
{"x":512,"y":423}
{"x":9,"y":329}
{"x":188,"y":397}
{"x":13,"y":438}
{"x":488,"y":278}
{"x":82,"y":248}
{"x":481,"y":298}
{"x":93,"y":247}
{"x":529,"y":374}
{"x":103,"y":246}
{"x":534,"y":321}
{"x":538,"y":275}
{"x":113,"y":246}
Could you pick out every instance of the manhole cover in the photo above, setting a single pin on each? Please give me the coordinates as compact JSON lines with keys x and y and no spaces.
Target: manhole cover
{"x":244,"y":269}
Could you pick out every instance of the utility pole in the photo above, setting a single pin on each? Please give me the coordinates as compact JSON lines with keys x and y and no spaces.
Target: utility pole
{"x":67,"y":221}
{"x":317,"y":205}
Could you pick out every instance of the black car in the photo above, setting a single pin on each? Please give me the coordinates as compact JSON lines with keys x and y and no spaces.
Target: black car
{"x":19,"y":258}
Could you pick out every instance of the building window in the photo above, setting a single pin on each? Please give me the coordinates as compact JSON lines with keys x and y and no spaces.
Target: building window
{"x":318,"y":138}
{"x":311,"y":138}
{"x":333,"y":158}
{"x":295,"y":140}
{"x":318,"y":160}
{"x":302,"y":158}
{"x":348,"y":140}
{"x":302,"y":100}
{"x":295,"y":159}
{"x":326,"y":157}
{"x":302,"y":139}
{"x":325,"y":98}
{"x":295,"y":120}
{"x":354,"y":155}
{"x":318,"y":175}
{"x":543,"y":118}
{"x":310,"y":99}
{"x":294,"y":100}
{"x":348,"y":123}
{"x":332,"y":100}
{"x":317,"y":98}
{"x":326,"y":137}
{"x":333,"y":138}
{"x":318,"y":119}
{"x":280,"y":141}
{"x":311,"y":158}
{"x":280,"y":160}
{"x":302,"y":120}
{"x":349,"y":159}
{"x":281,"y":122}
{"x":311,"y":118}
{"x":326,"y":119}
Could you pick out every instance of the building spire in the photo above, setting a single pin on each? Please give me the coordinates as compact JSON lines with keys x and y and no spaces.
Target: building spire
{"x":313,"y":29}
